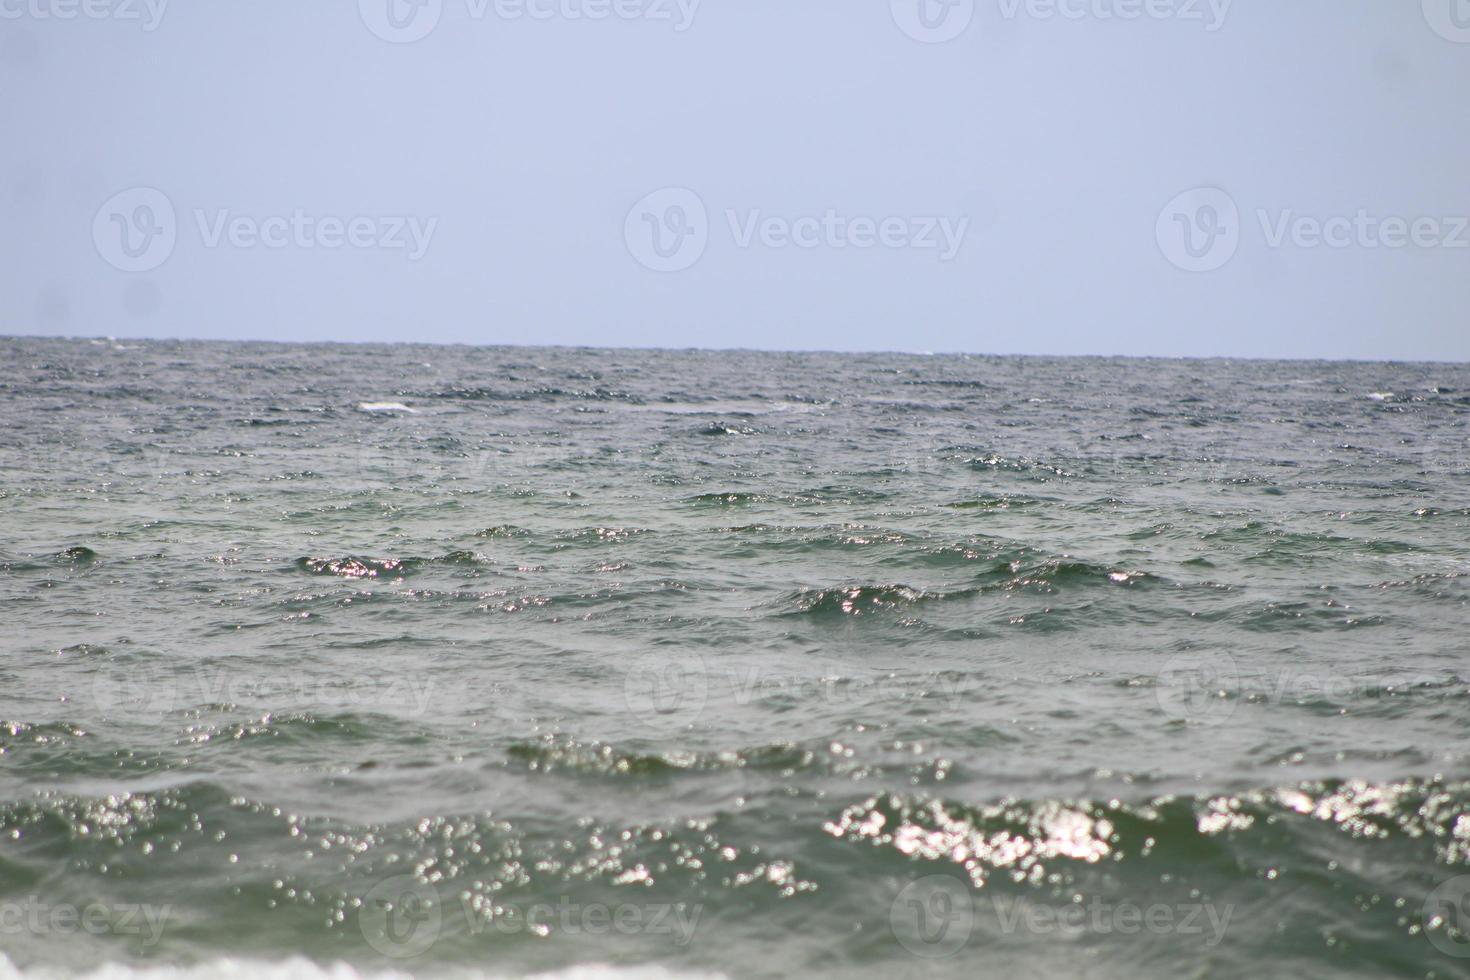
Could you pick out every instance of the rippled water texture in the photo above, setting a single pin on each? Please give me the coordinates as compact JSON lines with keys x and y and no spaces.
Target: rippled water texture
{"x":874,"y":665}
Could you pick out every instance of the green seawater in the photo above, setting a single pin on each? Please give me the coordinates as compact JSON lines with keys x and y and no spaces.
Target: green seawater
{"x":326,"y":661}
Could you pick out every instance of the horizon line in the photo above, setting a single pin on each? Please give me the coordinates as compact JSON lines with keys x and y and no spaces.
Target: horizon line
{"x":1302,"y":359}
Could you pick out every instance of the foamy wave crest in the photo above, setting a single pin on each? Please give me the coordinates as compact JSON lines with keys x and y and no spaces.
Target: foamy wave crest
{"x":230,"y":968}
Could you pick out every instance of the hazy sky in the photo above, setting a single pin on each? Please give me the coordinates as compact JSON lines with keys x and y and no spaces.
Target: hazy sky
{"x":1169,"y":177}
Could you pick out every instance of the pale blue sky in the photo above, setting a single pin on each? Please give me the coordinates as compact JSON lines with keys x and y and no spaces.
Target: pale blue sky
{"x":1014,"y":189}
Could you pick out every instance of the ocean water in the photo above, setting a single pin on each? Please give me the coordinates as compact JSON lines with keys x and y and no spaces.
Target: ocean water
{"x":339,"y":661}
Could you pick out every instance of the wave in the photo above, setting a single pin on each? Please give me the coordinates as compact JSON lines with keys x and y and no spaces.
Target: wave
{"x":732,"y":499}
{"x":859,"y":600}
{"x":1045,"y":577}
{"x":554,"y":753}
{"x":725,"y":429}
{"x":387,"y":568}
{"x":815,"y":495}
{"x":1024,"y":840}
{"x":298,"y":968}
{"x":537,"y":393}
{"x":991,"y":503}
{"x":372,"y":407}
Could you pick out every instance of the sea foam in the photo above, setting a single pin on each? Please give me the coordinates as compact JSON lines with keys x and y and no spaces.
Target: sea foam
{"x":299,"y":968}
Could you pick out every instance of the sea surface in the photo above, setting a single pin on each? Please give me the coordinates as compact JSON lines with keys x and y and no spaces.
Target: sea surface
{"x":328,"y":661}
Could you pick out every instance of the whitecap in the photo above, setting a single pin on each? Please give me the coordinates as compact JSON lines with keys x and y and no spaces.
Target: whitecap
{"x":299,"y":968}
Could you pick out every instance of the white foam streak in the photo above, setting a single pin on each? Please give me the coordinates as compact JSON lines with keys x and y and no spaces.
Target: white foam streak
{"x":230,"y":968}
